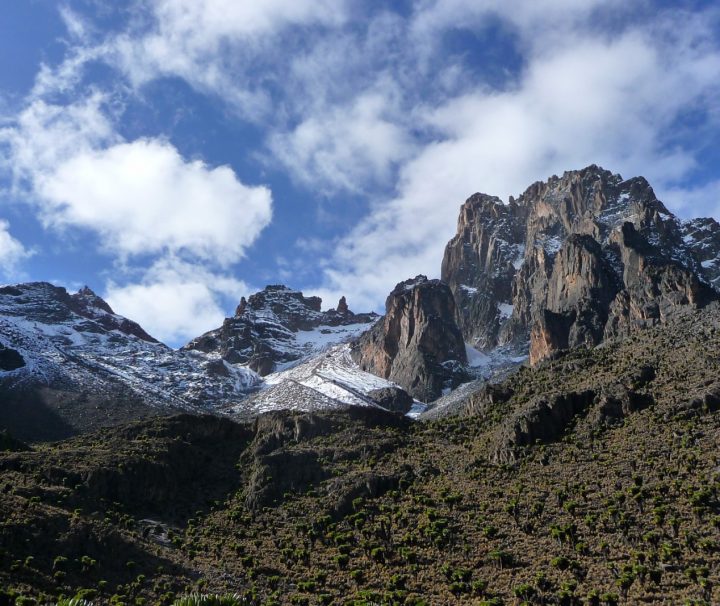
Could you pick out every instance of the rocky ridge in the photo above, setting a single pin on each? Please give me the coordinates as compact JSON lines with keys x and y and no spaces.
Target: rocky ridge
{"x":575,"y":260}
{"x":69,"y":363}
{"x":278,"y":326}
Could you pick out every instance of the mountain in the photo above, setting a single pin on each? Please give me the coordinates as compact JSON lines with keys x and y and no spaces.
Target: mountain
{"x":588,"y":479}
{"x":278,"y":326}
{"x":576,"y":260}
{"x":68,"y":363}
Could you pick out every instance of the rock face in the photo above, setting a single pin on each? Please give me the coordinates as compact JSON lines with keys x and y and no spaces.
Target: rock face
{"x":417,"y":344}
{"x":279,"y":325}
{"x":575,"y":260}
{"x":542,"y":421}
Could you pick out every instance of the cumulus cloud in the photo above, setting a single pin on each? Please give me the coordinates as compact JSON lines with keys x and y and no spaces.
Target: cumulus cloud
{"x":44,"y":135}
{"x":143,"y":197}
{"x":176,"y":301}
{"x":140,"y":197}
{"x":12,"y":251}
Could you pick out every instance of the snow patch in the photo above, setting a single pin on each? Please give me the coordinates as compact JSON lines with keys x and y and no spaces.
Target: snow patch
{"x":476,"y":358}
{"x":519,"y":256}
{"x":506,"y":310}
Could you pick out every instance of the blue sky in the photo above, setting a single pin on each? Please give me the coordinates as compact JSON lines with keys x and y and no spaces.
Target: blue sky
{"x":177,"y":154}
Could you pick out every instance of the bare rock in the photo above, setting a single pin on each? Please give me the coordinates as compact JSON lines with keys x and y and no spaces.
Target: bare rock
{"x":543,"y":421}
{"x":393,"y":399}
{"x":575,"y":260}
{"x":417,"y":344}
{"x":262,"y":333}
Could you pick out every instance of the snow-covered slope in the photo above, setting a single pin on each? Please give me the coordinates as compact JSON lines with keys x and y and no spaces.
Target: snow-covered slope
{"x":69,"y":360}
{"x":76,"y":346}
{"x":331,"y":379}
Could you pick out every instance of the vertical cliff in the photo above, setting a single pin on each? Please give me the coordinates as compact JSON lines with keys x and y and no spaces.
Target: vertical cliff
{"x":417,"y":344}
{"x":574,"y":260}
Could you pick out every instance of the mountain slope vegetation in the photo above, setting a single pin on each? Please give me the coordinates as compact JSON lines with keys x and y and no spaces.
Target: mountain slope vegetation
{"x":592,"y":478}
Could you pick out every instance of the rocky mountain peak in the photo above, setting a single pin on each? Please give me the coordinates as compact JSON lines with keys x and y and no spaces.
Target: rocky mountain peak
{"x":573,"y":260}
{"x":242,"y":306}
{"x":85,"y":301}
{"x":276,"y":326}
{"x":46,"y":303}
{"x":417,"y":344}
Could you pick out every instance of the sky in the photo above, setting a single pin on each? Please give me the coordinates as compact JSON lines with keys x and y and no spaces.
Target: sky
{"x":175,"y":155}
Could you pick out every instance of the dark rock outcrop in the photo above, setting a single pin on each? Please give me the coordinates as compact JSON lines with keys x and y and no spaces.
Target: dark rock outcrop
{"x":488,"y":395}
{"x":263,"y":332}
{"x":279,"y":460}
{"x":89,"y":305}
{"x":10,"y":359}
{"x":575,"y":260}
{"x":393,"y":399}
{"x":543,"y":421}
{"x":417,"y":344}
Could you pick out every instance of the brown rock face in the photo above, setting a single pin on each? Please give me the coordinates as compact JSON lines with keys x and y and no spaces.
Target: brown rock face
{"x":574,"y":260}
{"x":580,"y":288}
{"x":417,"y":344}
{"x":654,"y":287}
{"x":480,"y":263}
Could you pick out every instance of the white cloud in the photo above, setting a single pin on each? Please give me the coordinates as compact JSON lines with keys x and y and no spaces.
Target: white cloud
{"x":349,"y":104}
{"x":176,"y":301}
{"x":140,"y":197}
{"x":44,"y":135}
{"x":143,"y":197}
{"x":351,"y":148}
{"x":212,"y":44}
{"x":691,"y":202}
{"x":12,"y":251}
{"x":537,"y":23}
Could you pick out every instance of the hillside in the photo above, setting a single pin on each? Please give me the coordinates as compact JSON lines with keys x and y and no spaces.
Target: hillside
{"x":591,"y":478}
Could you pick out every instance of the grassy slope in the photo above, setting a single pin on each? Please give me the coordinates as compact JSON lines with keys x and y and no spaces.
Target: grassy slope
{"x":358,"y":507}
